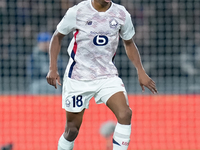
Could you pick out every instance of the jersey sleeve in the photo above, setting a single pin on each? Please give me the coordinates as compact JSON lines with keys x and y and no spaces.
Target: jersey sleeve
{"x":68,"y":22}
{"x":127,"y":30}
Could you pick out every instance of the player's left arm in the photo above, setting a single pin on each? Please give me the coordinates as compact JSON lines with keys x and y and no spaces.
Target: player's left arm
{"x":133,"y":54}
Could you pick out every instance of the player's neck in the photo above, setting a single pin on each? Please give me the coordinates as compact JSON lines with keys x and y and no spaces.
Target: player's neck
{"x":101,"y":5}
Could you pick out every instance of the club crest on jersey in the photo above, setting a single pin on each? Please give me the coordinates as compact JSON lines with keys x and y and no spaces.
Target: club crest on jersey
{"x":67,"y":103}
{"x":113,"y":23}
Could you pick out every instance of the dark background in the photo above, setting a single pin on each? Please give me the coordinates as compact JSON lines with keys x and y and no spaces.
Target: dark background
{"x":167,"y":35}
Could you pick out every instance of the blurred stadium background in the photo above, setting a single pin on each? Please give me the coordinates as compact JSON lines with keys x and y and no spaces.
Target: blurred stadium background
{"x":168,"y":38}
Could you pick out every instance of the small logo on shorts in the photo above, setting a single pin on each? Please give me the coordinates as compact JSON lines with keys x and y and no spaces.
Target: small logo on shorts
{"x":67,"y":103}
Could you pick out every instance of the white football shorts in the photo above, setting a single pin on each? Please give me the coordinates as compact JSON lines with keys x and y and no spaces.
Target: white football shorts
{"x":77,"y":94}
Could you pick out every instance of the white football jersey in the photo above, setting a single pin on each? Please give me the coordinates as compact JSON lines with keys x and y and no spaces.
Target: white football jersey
{"x":95,"y":39}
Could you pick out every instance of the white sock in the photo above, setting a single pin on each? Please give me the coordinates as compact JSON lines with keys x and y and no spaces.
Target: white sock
{"x":121,"y":137}
{"x":63,"y":144}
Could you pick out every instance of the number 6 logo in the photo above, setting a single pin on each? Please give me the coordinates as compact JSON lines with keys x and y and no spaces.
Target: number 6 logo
{"x":100,"y":40}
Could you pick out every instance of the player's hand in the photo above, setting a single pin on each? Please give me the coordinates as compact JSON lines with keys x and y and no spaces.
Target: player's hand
{"x":52,"y":77}
{"x":146,"y":81}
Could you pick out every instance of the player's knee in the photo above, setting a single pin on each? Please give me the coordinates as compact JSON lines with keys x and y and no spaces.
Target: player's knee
{"x":124,"y":116}
{"x":71,"y":133}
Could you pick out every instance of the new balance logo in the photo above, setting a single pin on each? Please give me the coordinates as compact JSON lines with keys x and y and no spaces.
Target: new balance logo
{"x":89,"y":22}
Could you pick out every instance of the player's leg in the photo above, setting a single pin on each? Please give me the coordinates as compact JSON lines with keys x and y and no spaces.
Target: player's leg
{"x":118,"y":105}
{"x":73,"y":123}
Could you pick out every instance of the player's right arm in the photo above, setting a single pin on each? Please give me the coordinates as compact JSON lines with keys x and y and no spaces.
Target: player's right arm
{"x":65,"y":26}
{"x":54,"y":49}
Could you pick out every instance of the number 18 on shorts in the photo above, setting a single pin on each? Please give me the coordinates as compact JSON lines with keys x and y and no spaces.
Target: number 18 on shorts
{"x":74,"y":103}
{"x":77,"y":94}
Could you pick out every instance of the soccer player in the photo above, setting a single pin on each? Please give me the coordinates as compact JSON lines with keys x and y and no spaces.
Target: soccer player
{"x":96,"y":27}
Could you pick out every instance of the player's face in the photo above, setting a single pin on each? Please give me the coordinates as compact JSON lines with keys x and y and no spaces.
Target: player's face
{"x":108,"y":1}
{"x":103,"y":2}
